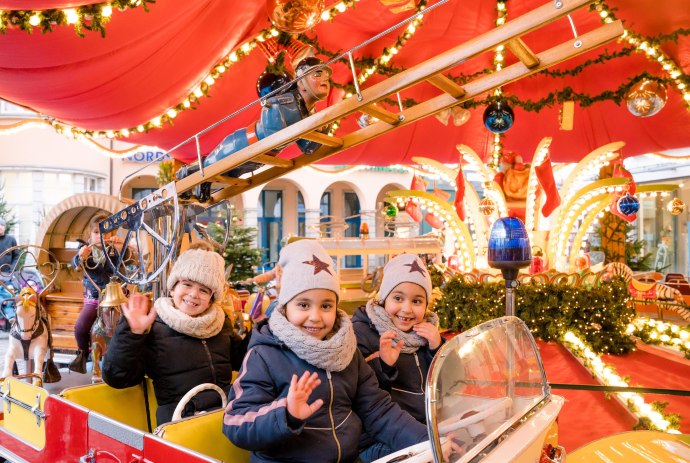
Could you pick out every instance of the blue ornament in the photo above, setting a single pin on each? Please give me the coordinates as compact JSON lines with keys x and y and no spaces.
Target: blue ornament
{"x":267,"y":82}
{"x":498,"y":117}
{"x":628,"y":205}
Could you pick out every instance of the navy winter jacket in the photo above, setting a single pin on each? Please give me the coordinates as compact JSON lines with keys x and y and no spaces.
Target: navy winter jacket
{"x":406,"y":380}
{"x":100,"y":274}
{"x":256,"y":418}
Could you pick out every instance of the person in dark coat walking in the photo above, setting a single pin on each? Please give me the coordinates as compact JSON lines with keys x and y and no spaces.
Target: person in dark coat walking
{"x":183,"y":341}
{"x":399,"y":337}
{"x":9,"y":260}
{"x":305,"y":392}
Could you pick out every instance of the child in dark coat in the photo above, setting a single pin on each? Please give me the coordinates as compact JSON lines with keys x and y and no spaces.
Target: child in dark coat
{"x":399,"y":337}
{"x":184,"y":340}
{"x":305,"y":392}
{"x":97,"y":273}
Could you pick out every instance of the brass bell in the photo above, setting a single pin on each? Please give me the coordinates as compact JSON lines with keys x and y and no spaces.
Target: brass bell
{"x":113,"y":295}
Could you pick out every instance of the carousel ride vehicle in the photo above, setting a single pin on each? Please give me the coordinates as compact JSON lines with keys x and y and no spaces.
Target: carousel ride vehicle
{"x":504,"y":413}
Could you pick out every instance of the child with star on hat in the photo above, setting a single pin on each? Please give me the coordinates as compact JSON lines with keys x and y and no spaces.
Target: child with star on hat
{"x":305,"y":393}
{"x":398,"y":337}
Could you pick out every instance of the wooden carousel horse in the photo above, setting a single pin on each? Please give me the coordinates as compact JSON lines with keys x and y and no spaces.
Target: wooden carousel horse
{"x":109,"y":313}
{"x":28,"y":336}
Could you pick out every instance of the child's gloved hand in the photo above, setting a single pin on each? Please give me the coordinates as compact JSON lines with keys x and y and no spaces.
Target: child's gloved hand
{"x":388,"y":352}
{"x":430,"y":333}
{"x":299,"y":393}
{"x":137,"y":313}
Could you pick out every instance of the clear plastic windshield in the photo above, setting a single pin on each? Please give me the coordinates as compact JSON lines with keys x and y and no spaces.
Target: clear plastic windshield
{"x":480,"y":384}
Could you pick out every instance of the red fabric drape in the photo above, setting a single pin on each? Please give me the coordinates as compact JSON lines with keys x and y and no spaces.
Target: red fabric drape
{"x":149,"y":62}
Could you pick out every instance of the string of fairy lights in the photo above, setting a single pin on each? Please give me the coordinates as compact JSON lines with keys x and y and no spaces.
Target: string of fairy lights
{"x":651,"y":50}
{"x":387,"y":55}
{"x":91,"y":17}
{"x":659,"y":332}
{"x":198,"y":91}
{"x":658,"y":420}
{"x":499,"y":55}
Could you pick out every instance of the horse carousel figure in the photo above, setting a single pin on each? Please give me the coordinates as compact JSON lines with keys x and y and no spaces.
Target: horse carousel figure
{"x":30,"y":336}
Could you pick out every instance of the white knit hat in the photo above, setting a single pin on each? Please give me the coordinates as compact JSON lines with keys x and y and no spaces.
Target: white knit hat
{"x":405,"y":268}
{"x":204,"y":267}
{"x":306,"y":265}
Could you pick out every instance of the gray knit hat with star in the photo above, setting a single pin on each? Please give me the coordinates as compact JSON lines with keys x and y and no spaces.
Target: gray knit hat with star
{"x":204,"y":267}
{"x":405,"y":268}
{"x":306,"y":265}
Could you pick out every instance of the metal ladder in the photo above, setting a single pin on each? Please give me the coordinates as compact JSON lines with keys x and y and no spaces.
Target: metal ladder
{"x":430,"y":71}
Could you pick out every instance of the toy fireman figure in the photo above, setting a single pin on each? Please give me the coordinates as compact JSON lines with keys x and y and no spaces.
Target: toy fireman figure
{"x":278,"y":112}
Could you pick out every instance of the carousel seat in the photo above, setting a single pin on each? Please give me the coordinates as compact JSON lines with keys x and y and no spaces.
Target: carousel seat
{"x":203,"y":433}
{"x":124,"y":405}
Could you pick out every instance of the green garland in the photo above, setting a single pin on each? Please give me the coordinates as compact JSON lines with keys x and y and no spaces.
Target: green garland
{"x":599,"y":316}
{"x":90,"y":17}
{"x":644,"y":332}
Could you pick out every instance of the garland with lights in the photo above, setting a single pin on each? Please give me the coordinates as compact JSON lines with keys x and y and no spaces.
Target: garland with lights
{"x":600,"y":315}
{"x":650,"y":416}
{"x":90,"y":17}
{"x":201,"y":90}
{"x":650,"y":47}
{"x":663,"y":333}
{"x":381,"y":66}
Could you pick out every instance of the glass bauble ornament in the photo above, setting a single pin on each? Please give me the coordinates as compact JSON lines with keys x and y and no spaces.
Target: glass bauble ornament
{"x":267,"y":82}
{"x":628,"y":205}
{"x":498,"y":117}
{"x":294,"y":16}
{"x":487,"y":206}
{"x":646,"y":98}
{"x":391,"y":211}
{"x":676,"y":206}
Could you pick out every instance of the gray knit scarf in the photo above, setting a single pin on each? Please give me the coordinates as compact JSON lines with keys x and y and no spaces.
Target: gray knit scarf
{"x":333,"y":353}
{"x":203,"y":326}
{"x":382,"y":321}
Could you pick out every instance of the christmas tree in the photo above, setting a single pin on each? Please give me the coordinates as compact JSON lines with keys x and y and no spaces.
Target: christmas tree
{"x":239,"y":252}
{"x":6,"y":211}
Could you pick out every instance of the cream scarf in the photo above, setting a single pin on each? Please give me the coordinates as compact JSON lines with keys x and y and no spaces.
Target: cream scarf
{"x":203,"y":326}
{"x":382,"y":321}
{"x":333,"y":353}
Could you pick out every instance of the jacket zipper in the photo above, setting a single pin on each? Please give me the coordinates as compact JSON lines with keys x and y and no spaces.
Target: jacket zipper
{"x":421,"y":376}
{"x":330,"y":413}
{"x":210,"y":360}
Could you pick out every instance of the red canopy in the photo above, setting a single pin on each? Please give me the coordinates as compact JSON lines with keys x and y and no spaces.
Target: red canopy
{"x":149,"y":62}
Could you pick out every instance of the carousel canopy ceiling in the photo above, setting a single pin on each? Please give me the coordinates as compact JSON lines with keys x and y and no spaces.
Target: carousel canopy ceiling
{"x":147,"y":65}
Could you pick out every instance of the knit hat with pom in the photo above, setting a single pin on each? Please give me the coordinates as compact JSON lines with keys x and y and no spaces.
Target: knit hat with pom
{"x":405,"y":268}
{"x":204,"y":267}
{"x":306,"y":265}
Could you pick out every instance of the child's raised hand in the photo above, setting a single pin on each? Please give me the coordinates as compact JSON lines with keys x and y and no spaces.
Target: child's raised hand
{"x":137,"y":313}
{"x":84,"y":252}
{"x":299,"y":393}
{"x":430,"y":333}
{"x":387,"y":351}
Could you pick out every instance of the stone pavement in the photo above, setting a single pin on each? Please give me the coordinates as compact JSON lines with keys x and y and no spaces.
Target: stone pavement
{"x":69,"y":378}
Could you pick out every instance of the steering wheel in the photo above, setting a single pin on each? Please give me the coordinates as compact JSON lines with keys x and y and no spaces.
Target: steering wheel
{"x":482,"y":411}
{"x":177,"y":414}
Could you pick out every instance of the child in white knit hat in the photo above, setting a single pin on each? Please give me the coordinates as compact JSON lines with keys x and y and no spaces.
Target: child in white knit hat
{"x":305,"y":392}
{"x":398,"y":336}
{"x":184,"y":340}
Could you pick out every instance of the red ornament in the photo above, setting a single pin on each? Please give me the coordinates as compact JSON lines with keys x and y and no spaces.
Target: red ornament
{"x":537,"y":265}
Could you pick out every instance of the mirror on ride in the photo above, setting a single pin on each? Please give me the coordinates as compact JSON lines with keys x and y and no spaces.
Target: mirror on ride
{"x":481,"y":383}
